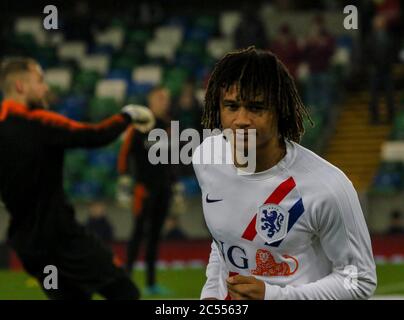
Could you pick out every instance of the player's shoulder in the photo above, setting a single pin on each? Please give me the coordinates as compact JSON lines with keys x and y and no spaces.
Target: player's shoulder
{"x":206,"y":150}
{"x":321,"y":172}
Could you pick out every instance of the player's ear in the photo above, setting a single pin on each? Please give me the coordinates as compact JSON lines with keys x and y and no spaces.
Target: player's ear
{"x":19,"y":86}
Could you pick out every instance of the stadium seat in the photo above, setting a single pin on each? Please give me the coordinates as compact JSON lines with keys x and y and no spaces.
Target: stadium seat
{"x":113,"y":88}
{"x":73,"y":107}
{"x":59,"y":77}
{"x":312,"y":134}
{"x":150,"y":74}
{"x":124,"y":61}
{"x":398,"y":127}
{"x":141,"y":89}
{"x":192,"y":47}
{"x":218,"y":47}
{"x":178,"y":21}
{"x":114,"y":147}
{"x":267,"y":10}
{"x":208,"y":61}
{"x":228,"y":22}
{"x":188,"y":61}
{"x":341,"y":57}
{"x":200,"y":74}
{"x":46,"y":56}
{"x":28,"y":25}
{"x":390,"y":166}
{"x":113,"y":36}
{"x":387,"y":182}
{"x":97,"y":173}
{"x":85,"y":82}
{"x":158,"y":49}
{"x":55,"y":38}
{"x":86,"y":190}
{"x":165,"y":42}
{"x":190,"y":55}
{"x":104,"y":158}
{"x":137,"y":92}
{"x":205,"y":22}
{"x":136,"y":99}
{"x":109,"y":188}
{"x":25,"y":42}
{"x":136,"y":52}
{"x":74,"y":50}
{"x":397,"y":134}
{"x":101,"y":108}
{"x":200,"y":95}
{"x":197,"y":34}
{"x":191,"y":186}
{"x":399,"y":121}
{"x":33,"y":26}
{"x":345,"y":41}
{"x":120,"y":74}
{"x":101,"y":49}
{"x":95,"y":62}
{"x":117,"y":22}
{"x":174,"y":79}
{"x":393,"y":151}
{"x":75,"y":164}
{"x":169,"y":34}
{"x":138,"y":36}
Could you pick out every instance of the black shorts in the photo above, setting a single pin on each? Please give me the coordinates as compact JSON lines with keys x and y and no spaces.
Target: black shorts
{"x":84,"y":264}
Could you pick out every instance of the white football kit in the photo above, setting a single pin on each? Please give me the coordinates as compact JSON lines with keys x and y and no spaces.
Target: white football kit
{"x":297,"y":226}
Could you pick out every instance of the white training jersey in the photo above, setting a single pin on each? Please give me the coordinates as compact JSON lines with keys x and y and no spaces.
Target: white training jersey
{"x":297,"y":226}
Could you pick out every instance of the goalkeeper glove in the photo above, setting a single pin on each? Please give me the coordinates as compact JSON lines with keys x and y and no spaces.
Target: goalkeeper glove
{"x":142,"y":118}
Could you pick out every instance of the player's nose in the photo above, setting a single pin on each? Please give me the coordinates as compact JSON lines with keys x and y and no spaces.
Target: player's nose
{"x":242,"y":120}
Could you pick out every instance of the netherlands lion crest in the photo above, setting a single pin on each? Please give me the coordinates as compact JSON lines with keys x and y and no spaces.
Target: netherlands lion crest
{"x":272,"y":222}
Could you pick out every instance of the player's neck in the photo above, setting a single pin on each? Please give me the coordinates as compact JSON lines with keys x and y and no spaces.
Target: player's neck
{"x":266,"y":156}
{"x":269,"y":155}
{"x":16,"y":98}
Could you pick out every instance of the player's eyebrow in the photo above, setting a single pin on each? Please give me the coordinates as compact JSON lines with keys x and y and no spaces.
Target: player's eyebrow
{"x":231,"y":101}
{"x":256,"y":103}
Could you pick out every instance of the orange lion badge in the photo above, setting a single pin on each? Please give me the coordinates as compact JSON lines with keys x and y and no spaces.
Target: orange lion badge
{"x":267,"y":266}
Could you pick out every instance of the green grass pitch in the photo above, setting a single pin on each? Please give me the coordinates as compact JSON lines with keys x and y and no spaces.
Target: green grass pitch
{"x":183,"y":283}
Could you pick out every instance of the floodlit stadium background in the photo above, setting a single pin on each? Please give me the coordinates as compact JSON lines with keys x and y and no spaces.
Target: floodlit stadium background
{"x":106,"y":55}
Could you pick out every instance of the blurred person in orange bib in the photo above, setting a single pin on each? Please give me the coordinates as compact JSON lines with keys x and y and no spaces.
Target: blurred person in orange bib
{"x":152,"y":192}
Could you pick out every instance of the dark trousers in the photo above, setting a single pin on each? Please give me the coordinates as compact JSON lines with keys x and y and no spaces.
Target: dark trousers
{"x":148,"y":225}
{"x":121,"y":288}
{"x":381,"y":80}
{"x":84,"y":267}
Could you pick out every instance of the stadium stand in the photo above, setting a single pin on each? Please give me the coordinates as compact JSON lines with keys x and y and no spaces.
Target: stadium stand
{"x":123,"y":60}
{"x":122,"y":63}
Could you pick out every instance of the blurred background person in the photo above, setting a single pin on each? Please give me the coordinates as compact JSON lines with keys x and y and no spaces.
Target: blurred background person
{"x":152,"y":192}
{"x":250,"y":31}
{"x":188,"y":113}
{"x":173,"y":229}
{"x":98,"y":222}
{"x":380,"y":54}
{"x":391,"y":11}
{"x":396,"y":223}
{"x":319,"y":47}
{"x":187,"y":109}
{"x":285,"y":46}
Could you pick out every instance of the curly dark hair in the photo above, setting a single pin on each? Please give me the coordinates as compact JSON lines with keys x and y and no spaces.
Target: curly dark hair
{"x":257,"y":72}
